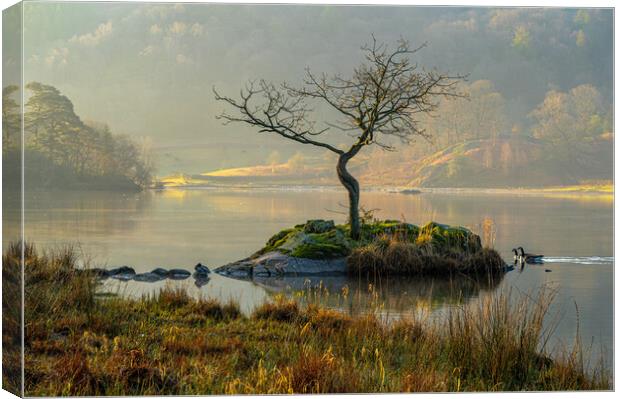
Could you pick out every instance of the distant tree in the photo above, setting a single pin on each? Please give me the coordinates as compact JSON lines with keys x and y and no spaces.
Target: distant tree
{"x":521,"y":38}
{"x":53,"y":129}
{"x":478,"y":114}
{"x":378,"y":102}
{"x":570,"y":121}
{"x":52,"y":126}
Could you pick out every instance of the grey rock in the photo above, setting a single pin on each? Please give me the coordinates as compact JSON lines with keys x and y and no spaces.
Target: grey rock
{"x":178,"y":274}
{"x":124,"y":276}
{"x":98,"y":272}
{"x":160,"y":272}
{"x":319,"y":226}
{"x":201,"y":269}
{"x":121,"y":270}
{"x":276,"y":264}
{"x":148,"y":277}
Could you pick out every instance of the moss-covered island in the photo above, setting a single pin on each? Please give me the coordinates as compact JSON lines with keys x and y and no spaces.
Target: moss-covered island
{"x":389,"y":247}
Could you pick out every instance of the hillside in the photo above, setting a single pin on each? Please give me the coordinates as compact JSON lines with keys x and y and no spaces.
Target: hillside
{"x":499,"y":162}
{"x":485,"y":163}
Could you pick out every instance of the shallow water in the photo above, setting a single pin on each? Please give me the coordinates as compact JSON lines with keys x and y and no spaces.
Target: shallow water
{"x":178,"y":228}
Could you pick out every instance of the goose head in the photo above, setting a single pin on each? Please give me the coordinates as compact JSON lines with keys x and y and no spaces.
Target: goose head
{"x":522,"y":251}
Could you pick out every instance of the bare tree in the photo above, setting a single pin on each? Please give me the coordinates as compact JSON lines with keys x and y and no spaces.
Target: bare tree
{"x":380,"y":100}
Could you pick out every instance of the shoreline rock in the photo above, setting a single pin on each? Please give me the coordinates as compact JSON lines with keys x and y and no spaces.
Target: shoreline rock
{"x":277,"y":264}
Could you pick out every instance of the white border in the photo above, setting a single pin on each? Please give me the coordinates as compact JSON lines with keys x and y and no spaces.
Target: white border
{"x":483,"y":3}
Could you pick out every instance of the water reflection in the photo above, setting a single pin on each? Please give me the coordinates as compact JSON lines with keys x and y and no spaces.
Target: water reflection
{"x":396,"y":296}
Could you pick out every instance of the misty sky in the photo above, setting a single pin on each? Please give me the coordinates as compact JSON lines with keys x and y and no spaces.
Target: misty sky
{"x":148,"y":69}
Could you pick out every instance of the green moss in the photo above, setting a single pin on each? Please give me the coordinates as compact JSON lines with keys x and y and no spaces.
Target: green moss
{"x":445,"y":239}
{"x":406,"y":231}
{"x":276,"y":241}
{"x":329,"y":245}
{"x":320,"y":239}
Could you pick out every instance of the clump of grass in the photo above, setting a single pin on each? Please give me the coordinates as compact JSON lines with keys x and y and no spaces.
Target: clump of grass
{"x":213,"y":309}
{"x":175,"y":344}
{"x":390,"y":255}
{"x":320,"y":373}
{"x":281,"y":309}
{"x":12,"y":295}
{"x":172,"y":298}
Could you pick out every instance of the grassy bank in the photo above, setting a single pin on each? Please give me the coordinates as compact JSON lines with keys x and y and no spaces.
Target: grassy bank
{"x":78,"y":343}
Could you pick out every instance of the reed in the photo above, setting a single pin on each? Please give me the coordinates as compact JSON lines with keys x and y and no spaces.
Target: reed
{"x":392,"y":254}
{"x":175,"y":344}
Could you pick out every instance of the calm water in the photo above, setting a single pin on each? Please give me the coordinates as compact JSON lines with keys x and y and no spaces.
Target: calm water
{"x":178,"y":228}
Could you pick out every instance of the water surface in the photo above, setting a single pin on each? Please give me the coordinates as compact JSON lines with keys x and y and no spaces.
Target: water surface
{"x":178,"y":228}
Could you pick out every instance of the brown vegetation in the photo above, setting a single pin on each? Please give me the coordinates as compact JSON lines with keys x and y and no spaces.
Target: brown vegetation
{"x":174,"y":344}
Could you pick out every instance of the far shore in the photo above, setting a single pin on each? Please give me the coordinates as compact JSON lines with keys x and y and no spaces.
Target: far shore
{"x":578,"y":190}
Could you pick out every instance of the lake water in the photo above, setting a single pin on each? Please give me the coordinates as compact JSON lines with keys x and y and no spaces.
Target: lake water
{"x":178,"y":228}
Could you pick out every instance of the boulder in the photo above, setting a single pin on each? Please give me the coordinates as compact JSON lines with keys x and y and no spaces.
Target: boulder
{"x":121,"y":270}
{"x":178,"y":274}
{"x":98,"y":272}
{"x":319,"y":226}
{"x":160,"y":272}
{"x":274,"y":264}
{"x":123,"y":273}
{"x":148,"y":277}
{"x":201,"y":269}
{"x":124,"y":276}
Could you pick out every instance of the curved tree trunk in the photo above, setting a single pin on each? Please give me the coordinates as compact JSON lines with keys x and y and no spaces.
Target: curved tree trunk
{"x":353,"y":188}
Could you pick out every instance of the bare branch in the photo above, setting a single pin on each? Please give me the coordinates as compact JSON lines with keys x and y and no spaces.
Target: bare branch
{"x":382,"y":97}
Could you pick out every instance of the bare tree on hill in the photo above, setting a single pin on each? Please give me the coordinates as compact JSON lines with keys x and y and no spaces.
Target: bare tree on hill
{"x":379,"y":101}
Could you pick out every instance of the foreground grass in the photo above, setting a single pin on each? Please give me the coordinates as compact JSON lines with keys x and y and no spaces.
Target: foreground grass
{"x":79,"y":344}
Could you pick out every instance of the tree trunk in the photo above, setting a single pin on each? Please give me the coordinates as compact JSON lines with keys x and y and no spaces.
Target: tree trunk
{"x":353,"y":189}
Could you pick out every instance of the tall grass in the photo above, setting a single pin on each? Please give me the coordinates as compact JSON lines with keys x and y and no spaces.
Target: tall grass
{"x":175,"y":344}
{"x":11,"y":317}
{"x":391,"y":254}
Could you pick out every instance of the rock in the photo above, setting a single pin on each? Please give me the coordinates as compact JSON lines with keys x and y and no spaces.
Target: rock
{"x":124,"y":276}
{"x":329,"y":245}
{"x":148,"y":277}
{"x":201,"y":269}
{"x":410,"y":191}
{"x":123,"y":273}
{"x":178,"y":274}
{"x":121,"y":270}
{"x":98,"y":272}
{"x":160,"y":272}
{"x":319,"y":226}
{"x":274,"y":264}
{"x":548,"y":270}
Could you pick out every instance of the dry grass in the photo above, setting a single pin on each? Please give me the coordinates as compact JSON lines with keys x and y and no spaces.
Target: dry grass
{"x":391,"y":255}
{"x":174,"y":344}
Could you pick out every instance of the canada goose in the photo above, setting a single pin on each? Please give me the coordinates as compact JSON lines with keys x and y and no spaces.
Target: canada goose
{"x":530,"y":258}
{"x":517,"y":257}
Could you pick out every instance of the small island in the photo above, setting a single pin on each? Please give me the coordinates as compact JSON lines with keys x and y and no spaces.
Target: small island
{"x":389,"y":247}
